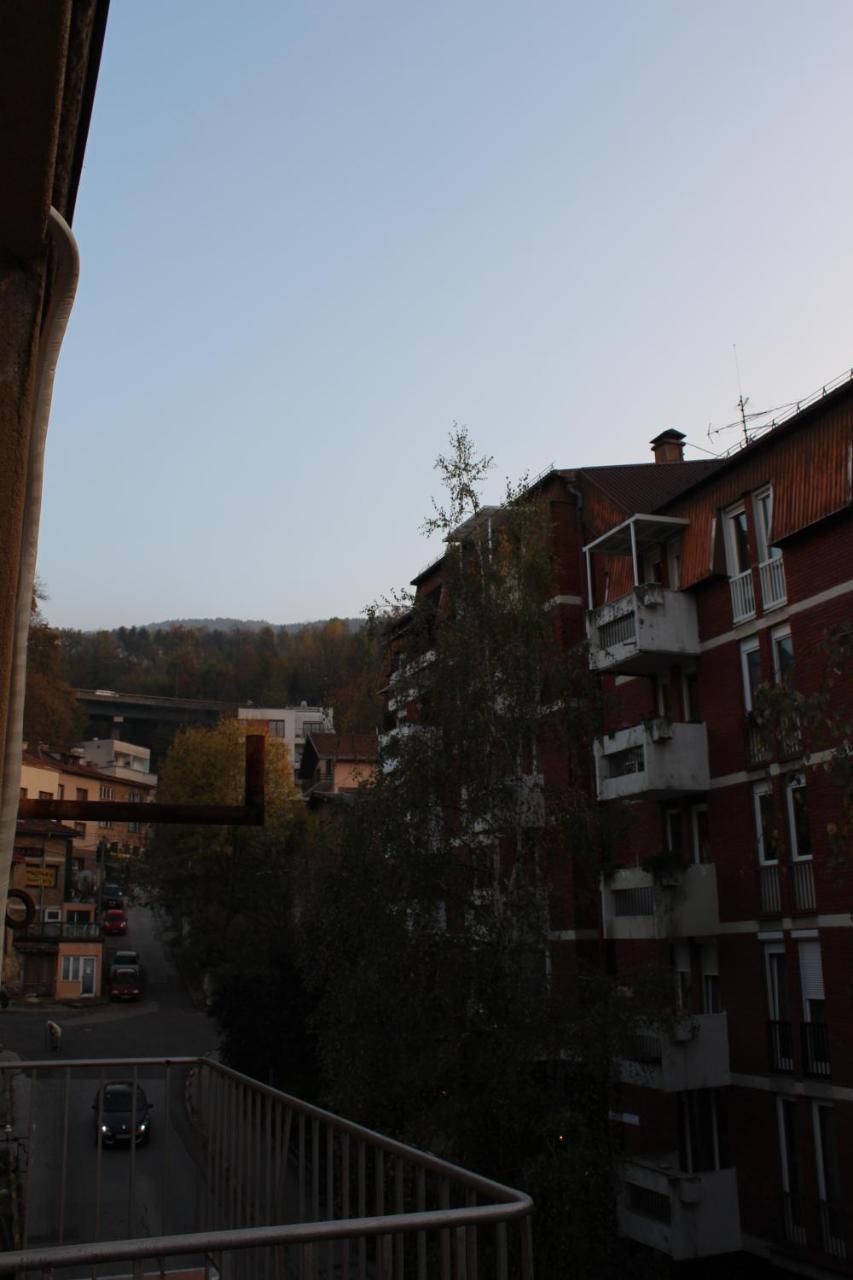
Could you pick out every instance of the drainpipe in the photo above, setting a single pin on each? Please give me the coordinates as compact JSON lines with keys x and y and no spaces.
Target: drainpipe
{"x":63,"y":287}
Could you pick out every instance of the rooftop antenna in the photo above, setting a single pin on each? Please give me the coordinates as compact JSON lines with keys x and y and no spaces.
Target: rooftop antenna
{"x":741,"y":404}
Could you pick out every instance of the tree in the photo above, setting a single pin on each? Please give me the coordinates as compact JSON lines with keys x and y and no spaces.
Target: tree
{"x":229,"y":893}
{"x":51,"y":714}
{"x":424,"y":937}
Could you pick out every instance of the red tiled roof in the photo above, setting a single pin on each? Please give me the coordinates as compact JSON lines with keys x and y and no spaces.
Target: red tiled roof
{"x":43,"y":827}
{"x":345,"y":746}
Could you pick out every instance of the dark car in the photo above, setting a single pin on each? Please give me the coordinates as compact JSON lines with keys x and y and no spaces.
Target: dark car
{"x":112,"y":895}
{"x":115,"y":920}
{"x":125,"y":982}
{"x":117,"y":1115}
{"x":127,"y":957}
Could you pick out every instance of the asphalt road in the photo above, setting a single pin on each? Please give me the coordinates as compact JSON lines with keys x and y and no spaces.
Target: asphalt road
{"x":74,"y":1188}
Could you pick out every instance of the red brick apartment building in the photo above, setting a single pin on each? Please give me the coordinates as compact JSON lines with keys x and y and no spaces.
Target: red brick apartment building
{"x":697,"y":582}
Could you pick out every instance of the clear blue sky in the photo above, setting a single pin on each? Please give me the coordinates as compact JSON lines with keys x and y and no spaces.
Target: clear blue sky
{"x":314,"y":234}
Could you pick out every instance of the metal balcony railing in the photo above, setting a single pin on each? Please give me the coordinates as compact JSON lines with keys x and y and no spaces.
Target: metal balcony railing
{"x":743,"y":597}
{"x":802,"y":881}
{"x":772,"y":576}
{"x":816,"y":1050}
{"x":794,"y":1218}
{"x":59,"y":931}
{"x":832,"y":1229}
{"x":770,"y":889}
{"x":780,"y":1045}
{"x":239,"y":1181}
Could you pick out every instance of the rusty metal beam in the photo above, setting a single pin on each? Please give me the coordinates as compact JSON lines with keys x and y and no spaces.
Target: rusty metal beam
{"x":248,"y":814}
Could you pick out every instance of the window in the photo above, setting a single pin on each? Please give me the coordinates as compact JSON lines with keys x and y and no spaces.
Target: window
{"x":789,"y":1159}
{"x":750,"y":663}
{"x":106,"y":825}
{"x":683,"y":975}
{"x":664,"y":697}
{"x":783,"y":655}
{"x":762,"y":506}
{"x":701,"y":833}
{"x":60,"y":791}
{"x":673,"y":830}
{"x":701,"y":1135}
{"x":828,"y":1179}
{"x":690,"y":695}
{"x":710,"y":978}
{"x":80,"y":828}
{"x":106,"y":792}
{"x":82,"y":793}
{"x":652,"y":565}
{"x":737,"y":541}
{"x":45,"y":795}
{"x":781,"y":1042}
{"x":71,"y":968}
{"x":673,"y":563}
{"x":762,"y":799}
{"x":51,"y":915}
{"x":277,"y":728}
{"x":798,"y":817}
{"x":23,"y":793}
{"x":811,"y":980}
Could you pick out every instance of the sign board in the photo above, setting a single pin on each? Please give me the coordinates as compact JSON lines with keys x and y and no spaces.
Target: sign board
{"x":41,"y":878}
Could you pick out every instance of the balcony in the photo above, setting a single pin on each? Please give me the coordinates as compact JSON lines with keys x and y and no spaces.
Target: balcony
{"x":694,"y":1054}
{"x":238,"y":1180}
{"x":815,"y":1050}
{"x":771,"y":575}
{"x":684,"y":1215}
{"x":55,"y":931}
{"x":743,"y":597}
{"x":643,"y":632}
{"x":659,"y":756}
{"x":683,"y":904}
{"x":767,"y":741}
{"x":780,"y":1046}
{"x":786,"y":889}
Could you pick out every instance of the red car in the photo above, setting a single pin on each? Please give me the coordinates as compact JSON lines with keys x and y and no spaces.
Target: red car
{"x":115,"y":920}
{"x":125,"y":982}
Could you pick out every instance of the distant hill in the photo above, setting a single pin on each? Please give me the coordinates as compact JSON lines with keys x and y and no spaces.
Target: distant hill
{"x":247,"y":624}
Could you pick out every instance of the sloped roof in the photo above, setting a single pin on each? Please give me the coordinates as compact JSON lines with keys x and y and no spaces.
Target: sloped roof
{"x":645,"y":486}
{"x":345,"y":746}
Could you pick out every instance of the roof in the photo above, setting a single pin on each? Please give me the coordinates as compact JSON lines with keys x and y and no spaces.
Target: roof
{"x":43,"y":827}
{"x":86,"y":771}
{"x":645,"y":486}
{"x":345,"y":746}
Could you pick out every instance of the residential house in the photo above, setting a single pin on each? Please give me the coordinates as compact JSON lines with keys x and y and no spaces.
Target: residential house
{"x":291,"y":724}
{"x":337,"y":764}
{"x":697,"y":583}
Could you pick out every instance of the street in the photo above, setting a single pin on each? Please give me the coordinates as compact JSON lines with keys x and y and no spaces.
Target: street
{"x":74,"y":1189}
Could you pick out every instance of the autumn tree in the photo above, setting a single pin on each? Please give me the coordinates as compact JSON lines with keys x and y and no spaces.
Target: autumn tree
{"x":230,"y":895}
{"x":51,"y":715}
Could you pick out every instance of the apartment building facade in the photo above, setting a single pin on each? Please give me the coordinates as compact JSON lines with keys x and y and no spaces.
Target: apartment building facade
{"x":701,"y":586}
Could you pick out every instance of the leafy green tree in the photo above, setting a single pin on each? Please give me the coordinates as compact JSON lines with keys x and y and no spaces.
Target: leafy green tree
{"x":51,"y":715}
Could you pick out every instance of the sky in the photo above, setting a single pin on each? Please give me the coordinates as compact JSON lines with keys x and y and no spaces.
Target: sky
{"x":314,"y":235}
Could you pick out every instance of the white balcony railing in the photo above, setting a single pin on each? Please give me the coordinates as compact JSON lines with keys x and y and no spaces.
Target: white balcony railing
{"x":635,"y":905}
{"x":240,"y":1175}
{"x":685,"y":1215}
{"x":772,"y":576}
{"x":743,"y":597}
{"x":655,"y":756}
{"x":642,"y":631}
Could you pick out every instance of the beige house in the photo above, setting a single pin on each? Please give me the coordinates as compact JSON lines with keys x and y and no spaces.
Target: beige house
{"x":337,"y":763}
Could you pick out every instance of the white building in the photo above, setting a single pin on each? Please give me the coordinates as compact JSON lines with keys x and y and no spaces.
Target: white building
{"x":291,"y":724}
{"x":119,"y":759}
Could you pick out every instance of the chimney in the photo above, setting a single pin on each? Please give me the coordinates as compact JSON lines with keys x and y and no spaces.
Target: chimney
{"x":669,"y":446}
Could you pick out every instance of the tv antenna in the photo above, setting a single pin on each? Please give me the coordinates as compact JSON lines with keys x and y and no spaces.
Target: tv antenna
{"x":741,"y":403}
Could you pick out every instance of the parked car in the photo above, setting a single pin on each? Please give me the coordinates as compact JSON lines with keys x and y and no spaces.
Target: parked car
{"x":112,"y":895}
{"x":115,"y":920}
{"x":125,"y":982}
{"x":126,"y":957}
{"x":116,"y":1114}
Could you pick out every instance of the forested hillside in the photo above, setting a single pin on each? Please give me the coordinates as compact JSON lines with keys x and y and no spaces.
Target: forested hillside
{"x":328,"y":663}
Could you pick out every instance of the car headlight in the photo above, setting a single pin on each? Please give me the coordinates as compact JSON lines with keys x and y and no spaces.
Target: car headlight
{"x":105,"y":1128}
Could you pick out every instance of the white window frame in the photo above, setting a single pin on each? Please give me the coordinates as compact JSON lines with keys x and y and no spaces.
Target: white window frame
{"x":802,"y":944}
{"x":52,"y":915}
{"x":673,"y":563}
{"x":794,"y":782}
{"x":774,"y":1009}
{"x":694,"y":832}
{"x":735,"y":569}
{"x":71,"y":968}
{"x":752,"y":645}
{"x":779,"y":633}
{"x":783,"y":1145}
{"x":761,"y":789}
{"x":763,"y":528}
